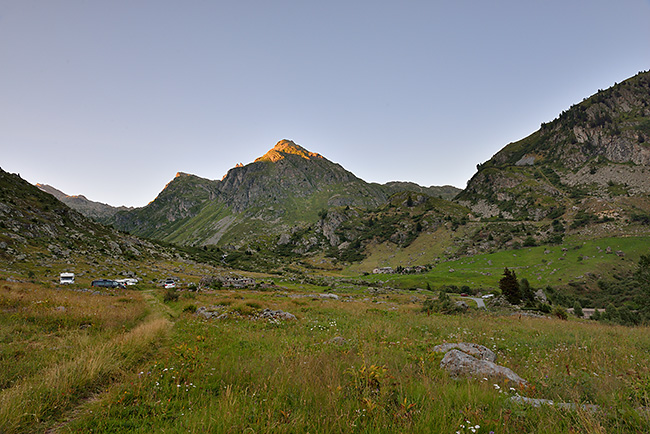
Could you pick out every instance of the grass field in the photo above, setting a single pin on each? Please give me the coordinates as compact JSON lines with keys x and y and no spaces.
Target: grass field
{"x":542,"y":265}
{"x":362,"y":363}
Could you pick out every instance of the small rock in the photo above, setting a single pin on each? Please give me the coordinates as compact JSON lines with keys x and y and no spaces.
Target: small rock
{"x":538,"y":402}
{"x":276,"y":314}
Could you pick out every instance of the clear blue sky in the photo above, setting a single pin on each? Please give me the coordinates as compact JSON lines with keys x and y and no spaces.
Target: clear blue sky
{"x":111,"y":98}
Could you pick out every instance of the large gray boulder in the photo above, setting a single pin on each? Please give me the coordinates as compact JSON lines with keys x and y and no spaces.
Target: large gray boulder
{"x":476,"y":350}
{"x":459,"y":364}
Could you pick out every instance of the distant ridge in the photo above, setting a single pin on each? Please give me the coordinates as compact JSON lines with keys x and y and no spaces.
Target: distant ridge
{"x":89,"y":208}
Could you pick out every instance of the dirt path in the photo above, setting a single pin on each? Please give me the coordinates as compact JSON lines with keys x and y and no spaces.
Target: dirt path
{"x":160,"y":320}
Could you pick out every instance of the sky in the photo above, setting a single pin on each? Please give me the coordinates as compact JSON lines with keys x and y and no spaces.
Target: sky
{"x":110,"y":99}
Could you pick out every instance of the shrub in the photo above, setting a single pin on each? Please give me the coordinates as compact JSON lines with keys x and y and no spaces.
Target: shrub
{"x":191,"y":308}
{"x":530,"y":242}
{"x":561,"y":313}
{"x":443,"y":304}
{"x":253,"y":304}
{"x":170,"y":295}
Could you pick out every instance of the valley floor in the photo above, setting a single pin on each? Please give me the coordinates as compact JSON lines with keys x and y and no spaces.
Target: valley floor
{"x":355,"y":361}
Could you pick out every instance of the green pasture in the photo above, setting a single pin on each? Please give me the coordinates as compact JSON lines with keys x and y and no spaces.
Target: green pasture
{"x":556,"y":265}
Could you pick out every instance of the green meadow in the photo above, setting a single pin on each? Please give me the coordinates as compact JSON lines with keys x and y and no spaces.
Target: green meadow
{"x":78,"y":362}
{"x":575,"y":261}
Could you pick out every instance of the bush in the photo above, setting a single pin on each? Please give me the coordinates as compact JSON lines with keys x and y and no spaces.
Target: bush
{"x":530,"y":242}
{"x":443,"y":304}
{"x":170,"y":295}
{"x":561,"y":313}
{"x":191,"y":308}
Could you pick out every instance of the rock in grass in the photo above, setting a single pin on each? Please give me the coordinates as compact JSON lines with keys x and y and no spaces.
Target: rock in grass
{"x":460,"y":364}
{"x":276,"y":314}
{"x":476,"y":350}
{"x":209,"y":313}
{"x":537,"y":402}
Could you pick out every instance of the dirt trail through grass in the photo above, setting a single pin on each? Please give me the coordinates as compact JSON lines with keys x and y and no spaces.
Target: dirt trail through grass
{"x":159,"y":309}
{"x":59,"y":392}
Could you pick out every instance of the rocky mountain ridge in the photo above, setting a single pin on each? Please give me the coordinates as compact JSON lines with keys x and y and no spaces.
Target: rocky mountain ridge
{"x":85,"y":206}
{"x":598,"y":149}
{"x":286,"y":187}
{"x":37,"y":228}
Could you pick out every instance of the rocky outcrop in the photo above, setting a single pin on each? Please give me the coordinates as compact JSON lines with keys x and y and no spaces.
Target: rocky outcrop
{"x":329,"y":224}
{"x":223,"y":312}
{"x":459,"y":364}
{"x":475,"y":350}
{"x":276,"y":315}
{"x":598,"y":148}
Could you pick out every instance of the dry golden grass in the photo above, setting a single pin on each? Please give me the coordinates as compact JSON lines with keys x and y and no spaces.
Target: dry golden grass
{"x":55,"y":390}
{"x":53,"y":305}
{"x":61,"y":346}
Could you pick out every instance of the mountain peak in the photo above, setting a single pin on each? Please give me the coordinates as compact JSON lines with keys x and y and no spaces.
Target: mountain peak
{"x":287,"y":147}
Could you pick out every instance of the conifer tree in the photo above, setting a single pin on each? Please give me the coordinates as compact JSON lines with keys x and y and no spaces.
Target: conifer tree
{"x":509,"y":286}
{"x":596,"y":315}
{"x":577,"y":309}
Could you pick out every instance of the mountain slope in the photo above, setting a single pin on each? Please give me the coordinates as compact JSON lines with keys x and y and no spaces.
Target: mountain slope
{"x":89,"y":208}
{"x":596,"y":152}
{"x":182,"y":198}
{"x":36,"y":228}
{"x":285,"y":188}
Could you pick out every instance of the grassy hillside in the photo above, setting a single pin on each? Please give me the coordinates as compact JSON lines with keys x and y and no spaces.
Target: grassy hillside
{"x":542,"y":265}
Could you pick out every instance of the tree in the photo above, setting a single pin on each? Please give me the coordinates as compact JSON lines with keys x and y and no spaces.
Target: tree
{"x":611,"y":313}
{"x":526,"y":291}
{"x":643,"y":271}
{"x":577,"y":309}
{"x":509,"y":286}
